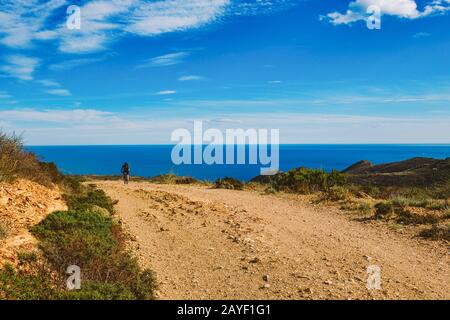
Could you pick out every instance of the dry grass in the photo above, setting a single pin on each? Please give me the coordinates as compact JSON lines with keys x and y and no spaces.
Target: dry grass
{"x":16,"y":162}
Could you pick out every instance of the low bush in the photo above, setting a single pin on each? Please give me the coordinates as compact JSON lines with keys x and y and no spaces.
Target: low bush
{"x":229,"y":183}
{"x":303,"y":180}
{"x":16,"y":162}
{"x":384,"y":210}
{"x":171,"y":178}
{"x":362,"y":207}
{"x":22,"y":285}
{"x":92,"y":197}
{"x":27,"y":257}
{"x":73,"y":185}
{"x":86,"y":236}
{"x":95,"y":244}
{"x":407,"y":217}
{"x":436,"y":232}
{"x":335,"y":193}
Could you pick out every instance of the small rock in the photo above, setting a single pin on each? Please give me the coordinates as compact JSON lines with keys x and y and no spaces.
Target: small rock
{"x":265,"y":277}
{"x":266,"y":286}
{"x":329,"y":282}
{"x":306,"y":291}
{"x":255,"y":260}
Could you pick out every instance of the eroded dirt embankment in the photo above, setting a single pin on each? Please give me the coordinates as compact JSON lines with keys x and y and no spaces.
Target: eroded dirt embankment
{"x":23,"y":204}
{"x":219,"y":244}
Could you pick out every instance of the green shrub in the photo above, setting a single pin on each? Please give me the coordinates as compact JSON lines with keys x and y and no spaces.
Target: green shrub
{"x":27,"y":257}
{"x":95,"y":244}
{"x":303,"y":180}
{"x":384,"y":210}
{"x":229,"y":183}
{"x":75,"y":238}
{"x":270,"y":190}
{"x":335,"y":193}
{"x":365,"y":208}
{"x":21,"y":286}
{"x":99,"y":291}
{"x":408,"y":217}
{"x":171,"y":178}
{"x":93,"y":197}
{"x":185,"y":180}
{"x":73,"y":185}
{"x":436,"y":232}
{"x":437,"y":204}
{"x":432,"y":204}
{"x":25,"y":285}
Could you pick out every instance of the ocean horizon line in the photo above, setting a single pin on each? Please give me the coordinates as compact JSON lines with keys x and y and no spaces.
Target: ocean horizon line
{"x":281,"y":144}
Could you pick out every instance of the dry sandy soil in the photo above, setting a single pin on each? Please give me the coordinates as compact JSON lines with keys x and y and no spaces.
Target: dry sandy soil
{"x":205,"y":243}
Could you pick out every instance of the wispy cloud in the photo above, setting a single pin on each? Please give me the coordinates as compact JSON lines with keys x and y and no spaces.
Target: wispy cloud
{"x":407,"y":9}
{"x":57,"y":115}
{"x":24,"y":22}
{"x":165,"y":60}
{"x":90,"y":126}
{"x":107,"y":21}
{"x":21,"y":22}
{"x":59,"y":92}
{"x":419,"y":35}
{"x":166,"y":92}
{"x":153,"y":18}
{"x":48,"y":83}
{"x":20,"y":67}
{"x":190,"y":78}
{"x":5,"y":95}
{"x":72,"y":64}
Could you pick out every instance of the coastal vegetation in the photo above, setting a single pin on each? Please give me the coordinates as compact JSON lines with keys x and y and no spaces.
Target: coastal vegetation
{"x":88,"y":235}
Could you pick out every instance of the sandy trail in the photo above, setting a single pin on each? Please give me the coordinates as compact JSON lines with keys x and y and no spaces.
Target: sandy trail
{"x":218,"y":244}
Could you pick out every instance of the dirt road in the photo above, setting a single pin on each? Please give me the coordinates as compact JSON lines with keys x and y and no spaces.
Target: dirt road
{"x":218,"y":244}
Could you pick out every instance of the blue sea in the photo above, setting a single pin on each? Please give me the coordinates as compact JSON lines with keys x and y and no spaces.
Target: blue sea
{"x":151,"y":160}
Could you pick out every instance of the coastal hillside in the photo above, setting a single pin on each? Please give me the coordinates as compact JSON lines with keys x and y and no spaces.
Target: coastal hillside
{"x":49,"y":223}
{"x":29,"y":191}
{"x":415,"y":172}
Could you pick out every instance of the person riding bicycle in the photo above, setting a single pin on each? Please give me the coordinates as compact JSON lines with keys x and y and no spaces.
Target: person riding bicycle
{"x":126,"y":173}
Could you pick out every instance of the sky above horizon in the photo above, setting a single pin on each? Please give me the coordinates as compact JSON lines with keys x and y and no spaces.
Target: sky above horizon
{"x":137,"y":70}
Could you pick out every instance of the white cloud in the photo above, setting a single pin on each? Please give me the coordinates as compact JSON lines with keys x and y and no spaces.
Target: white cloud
{"x":60,"y":116}
{"x":20,"y":67}
{"x":106,"y":21}
{"x":190,"y":78}
{"x":48,"y":83}
{"x":87,"y":126}
{"x":5,"y":95}
{"x":59,"y":92}
{"x":166,"y":92}
{"x":165,"y":60}
{"x":408,"y":9}
{"x":74,"y":63}
{"x":24,"y":22}
{"x":274,"y":82}
{"x":153,"y":18}
{"x":419,"y":35}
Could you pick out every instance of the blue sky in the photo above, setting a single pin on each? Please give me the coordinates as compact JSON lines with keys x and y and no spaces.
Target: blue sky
{"x":137,"y":70}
